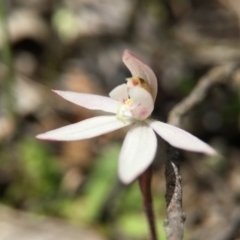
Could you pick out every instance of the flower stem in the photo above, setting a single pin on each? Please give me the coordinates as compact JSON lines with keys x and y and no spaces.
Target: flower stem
{"x":145,"y":186}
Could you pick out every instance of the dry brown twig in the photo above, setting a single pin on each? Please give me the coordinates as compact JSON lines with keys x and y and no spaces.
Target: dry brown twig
{"x":174,"y":223}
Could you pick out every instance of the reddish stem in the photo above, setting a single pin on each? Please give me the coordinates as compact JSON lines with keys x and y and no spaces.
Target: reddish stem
{"x":145,"y":186}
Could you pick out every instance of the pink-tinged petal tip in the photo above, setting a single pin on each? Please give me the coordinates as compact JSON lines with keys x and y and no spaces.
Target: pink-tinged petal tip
{"x":139,"y":69}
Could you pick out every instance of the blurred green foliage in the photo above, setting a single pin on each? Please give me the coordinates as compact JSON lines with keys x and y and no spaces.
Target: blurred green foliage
{"x":37,"y":186}
{"x":38,"y":177}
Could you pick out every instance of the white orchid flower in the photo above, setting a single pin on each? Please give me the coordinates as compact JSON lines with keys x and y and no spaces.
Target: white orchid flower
{"x":131,"y":104}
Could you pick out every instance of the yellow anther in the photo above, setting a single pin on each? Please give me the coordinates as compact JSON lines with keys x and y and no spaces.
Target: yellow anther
{"x":129,"y":101}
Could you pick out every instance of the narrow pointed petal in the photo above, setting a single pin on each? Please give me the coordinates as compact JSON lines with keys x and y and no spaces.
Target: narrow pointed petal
{"x":90,"y":101}
{"x":180,"y":138}
{"x":141,"y":70}
{"x":88,"y":128}
{"x":119,"y":93}
{"x":137,"y":153}
{"x":142,"y":103}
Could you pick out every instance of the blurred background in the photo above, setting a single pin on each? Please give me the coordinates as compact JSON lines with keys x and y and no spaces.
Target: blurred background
{"x":70,"y":190}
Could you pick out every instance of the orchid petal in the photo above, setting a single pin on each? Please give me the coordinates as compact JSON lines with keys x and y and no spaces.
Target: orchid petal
{"x":181,"y":139}
{"x":90,"y":101}
{"x":88,"y":128}
{"x":137,"y":153}
{"x":142,"y":103}
{"x":141,"y":70}
{"x":119,"y":93}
